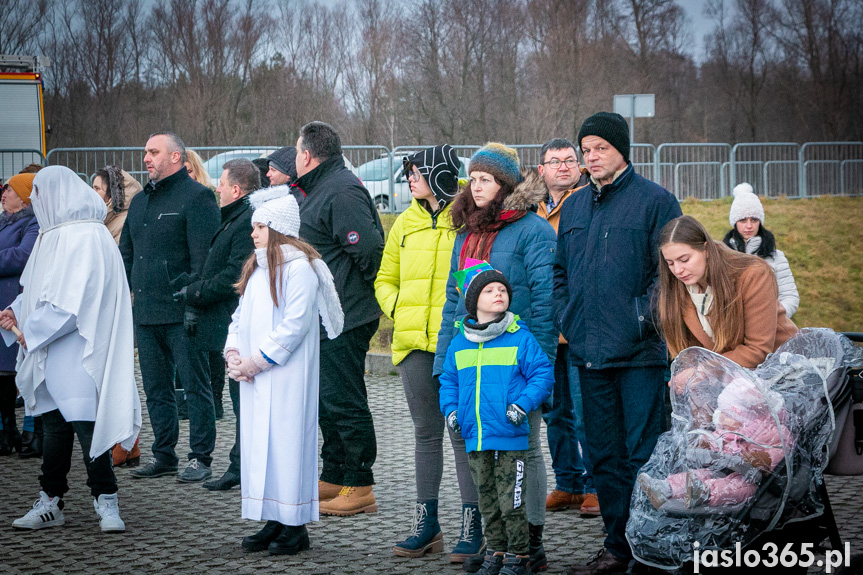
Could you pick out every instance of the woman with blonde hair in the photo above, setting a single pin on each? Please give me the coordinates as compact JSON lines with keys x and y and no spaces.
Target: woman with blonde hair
{"x":716,"y":298}
{"x":195,"y":167}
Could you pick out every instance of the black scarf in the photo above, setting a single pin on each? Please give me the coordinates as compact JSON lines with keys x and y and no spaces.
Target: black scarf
{"x":735,"y":241}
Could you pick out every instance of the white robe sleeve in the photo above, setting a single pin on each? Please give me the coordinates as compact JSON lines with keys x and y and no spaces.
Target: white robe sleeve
{"x":10,"y":338}
{"x":234,"y":329}
{"x":299,"y":313}
{"x":47,"y":324}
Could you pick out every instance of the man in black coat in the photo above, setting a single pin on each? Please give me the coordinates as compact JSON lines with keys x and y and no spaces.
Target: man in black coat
{"x":167,"y":233}
{"x":213,"y":296}
{"x":339,"y":219}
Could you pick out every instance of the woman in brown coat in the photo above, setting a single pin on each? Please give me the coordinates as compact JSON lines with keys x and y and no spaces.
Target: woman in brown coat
{"x":713,"y":297}
{"x":117,"y":187}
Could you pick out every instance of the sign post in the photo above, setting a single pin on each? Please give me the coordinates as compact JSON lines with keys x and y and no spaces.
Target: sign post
{"x":634,"y":106}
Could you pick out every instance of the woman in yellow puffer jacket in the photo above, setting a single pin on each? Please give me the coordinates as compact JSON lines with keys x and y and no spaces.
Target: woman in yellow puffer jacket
{"x":411,"y":289}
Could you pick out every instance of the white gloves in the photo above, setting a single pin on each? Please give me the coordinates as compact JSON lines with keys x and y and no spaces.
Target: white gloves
{"x":245,"y":368}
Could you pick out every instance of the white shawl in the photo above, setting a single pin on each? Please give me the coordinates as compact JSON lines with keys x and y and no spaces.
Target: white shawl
{"x":332,"y":315}
{"x":76,"y":266}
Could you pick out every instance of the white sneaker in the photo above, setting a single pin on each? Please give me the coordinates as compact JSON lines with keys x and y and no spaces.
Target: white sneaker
{"x":109,"y":510}
{"x":46,"y":512}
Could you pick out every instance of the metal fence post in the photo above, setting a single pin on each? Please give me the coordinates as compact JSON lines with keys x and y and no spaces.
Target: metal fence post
{"x":804,"y":192}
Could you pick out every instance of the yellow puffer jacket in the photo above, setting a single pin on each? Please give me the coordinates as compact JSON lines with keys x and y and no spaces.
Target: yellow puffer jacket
{"x":411,"y":282}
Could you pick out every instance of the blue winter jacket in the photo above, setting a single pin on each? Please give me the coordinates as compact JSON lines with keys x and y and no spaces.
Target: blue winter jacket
{"x":481,"y":380}
{"x":18,"y":233}
{"x":606,"y":269}
{"x":523,"y":251}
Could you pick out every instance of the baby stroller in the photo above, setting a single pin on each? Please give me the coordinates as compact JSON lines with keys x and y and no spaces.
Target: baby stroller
{"x":746,"y":453}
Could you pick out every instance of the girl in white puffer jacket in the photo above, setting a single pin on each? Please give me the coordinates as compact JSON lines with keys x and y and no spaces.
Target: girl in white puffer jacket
{"x":748,"y":235}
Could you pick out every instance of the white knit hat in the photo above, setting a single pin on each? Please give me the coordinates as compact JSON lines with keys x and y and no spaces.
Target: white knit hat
{"x":745,"y":205}
{"x":276,"y":208}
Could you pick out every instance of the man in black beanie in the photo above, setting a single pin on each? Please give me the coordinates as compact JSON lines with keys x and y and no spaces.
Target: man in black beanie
{"x":604,"y":275}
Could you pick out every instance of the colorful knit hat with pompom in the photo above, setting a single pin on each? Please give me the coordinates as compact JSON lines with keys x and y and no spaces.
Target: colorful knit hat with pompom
{"x":498,"y":160}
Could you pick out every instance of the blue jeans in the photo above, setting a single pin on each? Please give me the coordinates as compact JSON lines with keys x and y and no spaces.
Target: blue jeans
{"x":623,"y":418}
{"x":565,"y":425}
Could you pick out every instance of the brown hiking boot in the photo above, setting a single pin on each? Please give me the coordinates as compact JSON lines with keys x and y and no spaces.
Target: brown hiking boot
{"x":133,"y":459}
{"x":558,"y":500}
{"x":120,"y":455}
{"x":350,"y":501}
{"x":590,"y":506}
{"x":327,"y":491}
{"x":123,"y":458}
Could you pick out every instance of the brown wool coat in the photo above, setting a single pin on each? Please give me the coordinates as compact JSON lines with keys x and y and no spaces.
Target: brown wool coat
{"x":115,"y":221}
{"x":765,"y":326}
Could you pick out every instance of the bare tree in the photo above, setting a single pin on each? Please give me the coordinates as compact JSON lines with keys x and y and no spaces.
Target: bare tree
{"x":741,"y":48}
{"x":370,"y":74}
{"x":206,"y":49}
{"x":823,"y":36}
{"x":18,"y":21}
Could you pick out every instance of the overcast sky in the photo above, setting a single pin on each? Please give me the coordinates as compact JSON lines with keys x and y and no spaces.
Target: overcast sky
{"x":699,"y":25}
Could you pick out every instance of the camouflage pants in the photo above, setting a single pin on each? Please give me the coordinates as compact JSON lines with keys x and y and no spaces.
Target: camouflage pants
{"x":499,"y":478}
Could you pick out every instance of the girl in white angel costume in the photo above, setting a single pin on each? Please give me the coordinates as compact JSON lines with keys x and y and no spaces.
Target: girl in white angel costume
{"x":273,"y":350}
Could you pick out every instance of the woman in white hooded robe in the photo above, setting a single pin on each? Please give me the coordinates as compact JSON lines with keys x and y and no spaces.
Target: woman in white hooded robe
{"x":76,"y":360}
{"x":273,"y":351}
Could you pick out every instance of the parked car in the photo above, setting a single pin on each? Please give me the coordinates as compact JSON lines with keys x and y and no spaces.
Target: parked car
{"x":376,"y":175}
{"x":214,"y":164}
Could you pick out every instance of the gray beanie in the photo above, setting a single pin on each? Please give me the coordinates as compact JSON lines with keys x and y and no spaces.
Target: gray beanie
{"x":285,"y":160}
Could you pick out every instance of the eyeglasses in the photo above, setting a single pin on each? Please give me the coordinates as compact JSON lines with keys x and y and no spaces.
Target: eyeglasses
{"x":570,"y":163}
{"x":408,"y":171}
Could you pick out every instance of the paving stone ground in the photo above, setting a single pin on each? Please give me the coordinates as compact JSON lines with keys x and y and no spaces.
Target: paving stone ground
{"x":179,"y":528}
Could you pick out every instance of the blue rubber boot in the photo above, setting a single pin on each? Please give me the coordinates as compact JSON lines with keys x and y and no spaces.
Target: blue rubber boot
{"x":426,"y":536}
{"x":471,"y":544}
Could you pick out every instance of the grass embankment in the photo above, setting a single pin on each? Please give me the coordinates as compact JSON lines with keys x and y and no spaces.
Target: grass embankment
{"x":821,"y":237}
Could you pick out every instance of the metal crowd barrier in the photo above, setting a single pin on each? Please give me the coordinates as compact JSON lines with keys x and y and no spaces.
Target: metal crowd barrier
{"x":697,"y":170}
{"x":13,"y":160}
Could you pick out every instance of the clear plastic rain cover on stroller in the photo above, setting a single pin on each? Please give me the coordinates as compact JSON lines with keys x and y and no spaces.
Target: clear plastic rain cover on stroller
{"x":744,"y":451}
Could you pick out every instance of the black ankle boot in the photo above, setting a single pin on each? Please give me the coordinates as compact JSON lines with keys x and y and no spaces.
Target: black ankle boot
{"x":538,"y":560}
{"x":35,"y":447}
{"x":262,"y":539}
{"x":291,"y":541}
{"x":10,"y":438}
{"x":27,"y":438}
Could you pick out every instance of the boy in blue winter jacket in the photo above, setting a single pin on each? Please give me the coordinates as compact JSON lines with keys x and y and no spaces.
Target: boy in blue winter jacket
{"x":495,"y":373}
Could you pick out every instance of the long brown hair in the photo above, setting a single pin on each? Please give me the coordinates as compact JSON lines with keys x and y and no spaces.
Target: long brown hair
{"x":274,"y":262}
{"x":467,"y":217}
{"x":723,"y":268}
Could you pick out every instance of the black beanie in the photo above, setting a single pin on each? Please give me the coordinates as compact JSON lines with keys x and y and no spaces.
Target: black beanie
{"x":610,"y":127}
{"x":439,"y":166}
{"x":478,"y":283}
{"x":285,"y":160}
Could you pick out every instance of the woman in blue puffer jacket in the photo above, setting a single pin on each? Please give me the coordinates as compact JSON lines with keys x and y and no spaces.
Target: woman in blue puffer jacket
{"x":495,"y":224}
{"x":18,"y":233}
